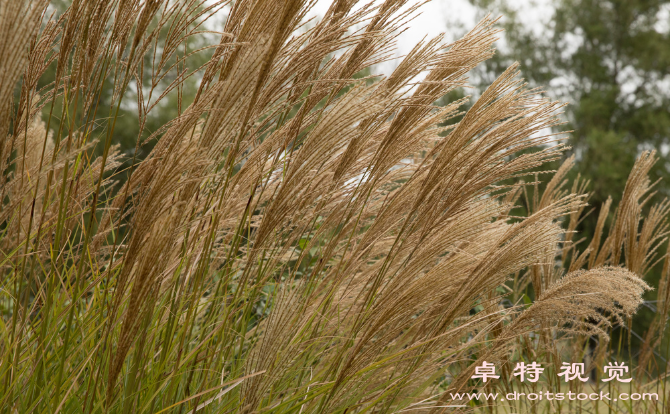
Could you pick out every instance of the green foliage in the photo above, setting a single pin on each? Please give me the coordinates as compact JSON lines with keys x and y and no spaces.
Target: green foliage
{"x":610,"y":60}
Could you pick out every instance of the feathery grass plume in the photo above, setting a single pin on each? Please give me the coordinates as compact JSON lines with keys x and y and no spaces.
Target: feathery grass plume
{"x":654,"y":335}
{"x":581,"y":303}
{"x":271,"y":248}
{"x":19,"y":22}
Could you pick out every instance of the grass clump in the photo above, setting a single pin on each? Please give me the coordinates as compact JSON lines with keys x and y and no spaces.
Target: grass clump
{"x":275,"y":251}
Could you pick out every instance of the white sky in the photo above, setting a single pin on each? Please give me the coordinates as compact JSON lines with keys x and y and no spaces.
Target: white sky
{"x":452,"y":17}
{"x":437,"y":16}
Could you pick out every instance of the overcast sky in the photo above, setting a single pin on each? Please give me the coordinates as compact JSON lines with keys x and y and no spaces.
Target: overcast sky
{"x":452,"y":17}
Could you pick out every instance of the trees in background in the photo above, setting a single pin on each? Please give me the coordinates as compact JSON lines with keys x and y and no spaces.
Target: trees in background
{"x":610,"y":60}
{"x":179,"y":84}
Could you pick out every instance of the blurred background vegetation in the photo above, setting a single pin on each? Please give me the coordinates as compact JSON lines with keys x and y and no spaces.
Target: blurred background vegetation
{"x":132,"y":124}
{"x":610,"y":60}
